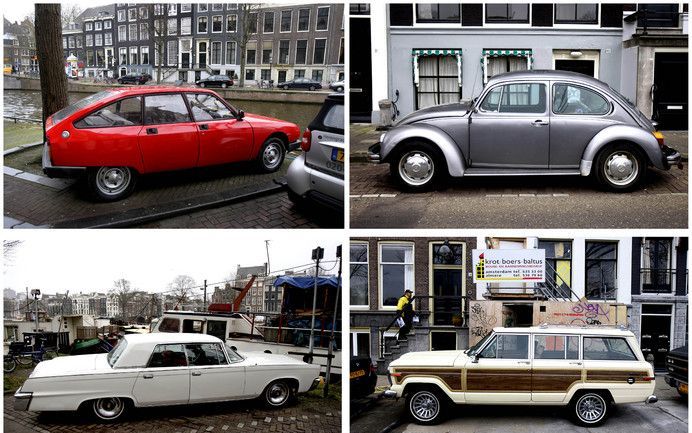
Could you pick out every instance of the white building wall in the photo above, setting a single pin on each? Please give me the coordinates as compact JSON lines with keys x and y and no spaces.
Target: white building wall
{"x":379,"y":40}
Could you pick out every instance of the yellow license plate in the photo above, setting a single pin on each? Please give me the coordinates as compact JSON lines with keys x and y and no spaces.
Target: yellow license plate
{"x":337,"y":155}
{"x":683,"y":388}
{"x":357,"y":373}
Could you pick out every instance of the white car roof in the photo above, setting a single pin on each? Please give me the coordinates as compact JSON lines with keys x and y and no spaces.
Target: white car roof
{"x":566,"y":329}
{"x":140,"y":346}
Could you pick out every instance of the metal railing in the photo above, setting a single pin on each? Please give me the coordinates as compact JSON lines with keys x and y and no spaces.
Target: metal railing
{"x":657,"y":280}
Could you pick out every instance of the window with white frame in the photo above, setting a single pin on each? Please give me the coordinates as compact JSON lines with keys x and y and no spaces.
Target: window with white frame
{"x":123,"y":56}
{"x":601,"y":270}
{"x":268,"y":22}
{"x":158,"y":9}
{"x":217,"y":24}
{"x":133,"y":56}
{"x":89,"y":26}
{"x":64,"y":42}
{"x":186,"y":26}
{"x":133,"y":32}
{"x":172,"y":9}
{"x":359,"y":274}
{"x":144,"y":12}
{"x":202,"y":7}
{"x":121,"y":15}
{"x":303,"y":20}
{"x":396,"y":272}
{"x":301,"y":51}
{"x":252,"y":18}
{"x":98,"y":39}
{"x":317,"y":75}
{"x":360,"y":343}
{"x":322,"y":22}
{"x":319,"y":51}
{"x":186,"y":7}
{"x":122,"y":33}
{"x":89,"y":40}
{"x":217,"y":7}
{"x":172,"y":26}
{"x":202,"y":24}
{"x":78,"y":39}
{"x":144,"y":31}
{"x":71,"y":42}
{"x":231,"y":23}
{"x":108,"y":39}
{"x":172,"y":53}
{"x":132,"y":14}
{"x":98,"y":25}
{"x":657,"y":273}
{"x":284,"y":49}
{"x":108,"y":24}
{"x":286,"y":17}
{"x":231,"y":53}
{"x":144,"y":55}
{"x":216,"y":52}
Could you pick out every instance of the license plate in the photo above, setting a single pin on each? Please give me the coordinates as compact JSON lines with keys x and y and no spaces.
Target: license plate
{"x":357,"y":373}
{"x":683,"y":388}
{"x":337,"y":155}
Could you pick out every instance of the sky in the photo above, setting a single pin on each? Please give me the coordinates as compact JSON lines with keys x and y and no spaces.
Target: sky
{"x":17,"y":10}
{"x":86,"y":260}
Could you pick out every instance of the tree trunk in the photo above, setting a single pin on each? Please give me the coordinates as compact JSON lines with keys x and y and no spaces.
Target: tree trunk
{"x":243,"y":57}
{"x":50,"y":60}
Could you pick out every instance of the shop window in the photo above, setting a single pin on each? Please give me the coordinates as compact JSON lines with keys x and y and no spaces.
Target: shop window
{"x":601,"y":270}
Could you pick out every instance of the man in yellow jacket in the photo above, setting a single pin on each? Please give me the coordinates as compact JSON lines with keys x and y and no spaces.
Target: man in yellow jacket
{"x":404,"y":309}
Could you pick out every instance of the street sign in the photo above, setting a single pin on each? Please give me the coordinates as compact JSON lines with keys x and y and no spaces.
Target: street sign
{"x":527,"y":265}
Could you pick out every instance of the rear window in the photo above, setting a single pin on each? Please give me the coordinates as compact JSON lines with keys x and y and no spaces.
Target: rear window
{"x":125,"y":112}
{"x":82,"y":103}
{"x":331,"y":116}
{"x":607,"y":348}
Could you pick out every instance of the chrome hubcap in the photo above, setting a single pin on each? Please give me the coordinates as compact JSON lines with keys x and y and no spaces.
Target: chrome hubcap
{"x":416,"y":168}
{"x":590,"y":408}
{"x":109,"y":407}
{"x":272,"y":155}
{"x":112,"y":180}
{"x":621,"y":168}
{"x":278,"y":393}
{"x":425,"y":406}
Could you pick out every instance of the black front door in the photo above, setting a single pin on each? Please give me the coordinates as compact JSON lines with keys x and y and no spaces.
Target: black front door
{"x":361,"y":70}
{"x":670,"y":90}
{"x":447,"y":290}
{"x":282,"y":76}
{"x":655,"y":332}
{"x":585,"y":67}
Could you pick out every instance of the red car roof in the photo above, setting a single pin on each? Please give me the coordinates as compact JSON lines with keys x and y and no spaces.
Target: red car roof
{"x":156,"y":89}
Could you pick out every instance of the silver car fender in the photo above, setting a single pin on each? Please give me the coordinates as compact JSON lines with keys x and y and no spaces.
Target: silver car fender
{"x":642,"y":138}
{"x":394,"y":137}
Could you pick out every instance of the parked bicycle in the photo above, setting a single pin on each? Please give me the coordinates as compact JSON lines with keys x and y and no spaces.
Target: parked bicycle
{"x":21,"y":354}
{"x":395,"y":109}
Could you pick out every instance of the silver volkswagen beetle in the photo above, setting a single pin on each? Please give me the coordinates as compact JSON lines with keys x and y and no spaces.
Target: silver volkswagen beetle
{"x":528,"y":123}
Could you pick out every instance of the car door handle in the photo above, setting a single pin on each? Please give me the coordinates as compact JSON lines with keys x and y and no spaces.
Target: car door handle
{"x":151,"y":131}
{"x":539,"y":122}
{"x":575,"y":363}
{"x":524,"y":362}
{"x":204,"y":127}
{"x":196,"y":373}
{"x":148,"y":376}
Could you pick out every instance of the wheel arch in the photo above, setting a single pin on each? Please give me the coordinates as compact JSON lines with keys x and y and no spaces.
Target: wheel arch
{"x":429,"y":384}
{"x":401,"y":135}
{"x":293,"y":382}
{"x":640,"y":139}
{"x":578,"y":391}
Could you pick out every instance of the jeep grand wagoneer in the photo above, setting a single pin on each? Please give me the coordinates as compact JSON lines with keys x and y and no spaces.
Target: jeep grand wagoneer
{"x":585,"y":368}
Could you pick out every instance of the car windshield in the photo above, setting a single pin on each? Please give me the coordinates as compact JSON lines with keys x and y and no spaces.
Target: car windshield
{"x":82,"y":103}
{"x":476,"y":347}
{"x":118,"y":350}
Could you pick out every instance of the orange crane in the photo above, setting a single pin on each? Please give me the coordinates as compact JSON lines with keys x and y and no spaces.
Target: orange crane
{"x":235,"y":306}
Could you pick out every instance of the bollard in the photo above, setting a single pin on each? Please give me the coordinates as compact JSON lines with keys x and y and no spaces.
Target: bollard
{"x":385,"y":112}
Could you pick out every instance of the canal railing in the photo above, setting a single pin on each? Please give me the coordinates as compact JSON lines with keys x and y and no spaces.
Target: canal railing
{"x":22,"y":119}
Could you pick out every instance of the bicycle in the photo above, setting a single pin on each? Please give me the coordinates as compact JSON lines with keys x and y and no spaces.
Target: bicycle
{"x":19,"y":356}
{"x":395,"y":109}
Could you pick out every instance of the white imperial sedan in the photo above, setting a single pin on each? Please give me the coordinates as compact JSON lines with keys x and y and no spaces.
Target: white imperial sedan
{"x":163,"y":369}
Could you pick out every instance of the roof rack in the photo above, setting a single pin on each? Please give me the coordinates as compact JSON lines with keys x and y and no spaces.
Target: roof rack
{"x":584,"y":326}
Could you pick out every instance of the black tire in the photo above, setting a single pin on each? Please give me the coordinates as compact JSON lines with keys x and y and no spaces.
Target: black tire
{"x":285,"y":87}
{"x":271,"y":155}
{"x":202,"y":85}
{"x":109,"y":409}
{"x":421,"y":156}
{"x":426,"y":406}
{"x":224,"y":85}
{"x":312,"y":88}
{"x":24,"y":360}
{"x":111,"y":183}
{"x":9,"y":364}
{"x":340,"y":89}
{"x":590,"y":408}
{"x":620,"y":167}
{"x":277,"y":394}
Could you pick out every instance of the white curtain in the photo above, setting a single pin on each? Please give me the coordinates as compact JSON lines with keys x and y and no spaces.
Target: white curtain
{"x":518,"y":63}
{"x":496,"y":65}
{"x":443,"y":83}
{"x":427,"y":70}
{"x":449,"y":85}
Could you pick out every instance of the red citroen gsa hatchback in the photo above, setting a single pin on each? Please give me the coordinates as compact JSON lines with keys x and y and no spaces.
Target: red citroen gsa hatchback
{"x":116,"y":135}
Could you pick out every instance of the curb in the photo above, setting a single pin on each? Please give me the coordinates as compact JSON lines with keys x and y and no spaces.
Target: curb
{"x":359,"y":156}
{"x":21,"y":147}
{"x":148,"y":214}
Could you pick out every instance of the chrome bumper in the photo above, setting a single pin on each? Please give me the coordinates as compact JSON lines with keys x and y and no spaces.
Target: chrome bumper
{"x":672,"y":157}
{"x":22,"y":400}
{"x":374,"y":153}
{"x":651,"y":399}
{"x":315,"y":382}
{"x":389,"y":394}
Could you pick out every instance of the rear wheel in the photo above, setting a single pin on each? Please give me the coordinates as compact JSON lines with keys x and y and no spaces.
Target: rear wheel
{"x":620,"y":167}
{"x":590,"y":408}
{"x":109,"y":409}
{"x":340,"y":89}
{"x":312,"y":87}
{"x":224,"y":85}
{"x":24,"y":359}
{"x":271,"y":155}
{"x":285,"y":87}
{"x":111,"y":183}
{"x":202,"y":85}
{"x":277,"y":394}
{"x":417,"y":166}
{"x":9,"y":364}
{"x":425,"y":406}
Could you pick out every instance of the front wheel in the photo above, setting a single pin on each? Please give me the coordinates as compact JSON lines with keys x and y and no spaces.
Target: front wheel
{"x":277,"y":394}
{"x":271,"y":155}
{"x":224,"y":85}
{"x":9,"y":364}
{"x":312,"y":88}
{"x":620,"y":168}
{"x":425,"y":407}
{"x":24,"y":360}
{"x":202,"y":84}
{"x":111,"y":183}
{"x":109,"y":409}
{"x":416,"y":166}
{"x":340,"y":89}
{"x":589,"y":409}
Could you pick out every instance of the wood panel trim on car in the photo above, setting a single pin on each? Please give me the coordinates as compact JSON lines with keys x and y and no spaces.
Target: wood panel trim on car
{"x":451,"y":377}
{"x":615,"y":375}
{"x":555,"y":380}
{"x":496,"y":379}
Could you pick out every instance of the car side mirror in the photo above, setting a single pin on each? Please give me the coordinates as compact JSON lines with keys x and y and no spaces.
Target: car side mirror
{"x":241,"y":115}
{"x":474,"y":359}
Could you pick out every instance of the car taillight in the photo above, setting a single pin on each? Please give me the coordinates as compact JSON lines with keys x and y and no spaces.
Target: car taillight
{"x":306,"y":141}
{"x":648,"y":378}
{"x":659,"y":138}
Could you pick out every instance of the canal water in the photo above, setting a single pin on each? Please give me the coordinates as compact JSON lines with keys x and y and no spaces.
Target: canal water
{"x":27,"y":104}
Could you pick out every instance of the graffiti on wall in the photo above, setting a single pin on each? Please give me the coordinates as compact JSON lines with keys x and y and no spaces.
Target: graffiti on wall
{"x":587,"y":313}
{"x":482,"y":319}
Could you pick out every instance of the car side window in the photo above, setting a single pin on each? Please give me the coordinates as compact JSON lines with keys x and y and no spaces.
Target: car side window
{"x":571,"y":99}
{"x":492,"y":100}
{"x":167,"y":355}
{"x":335,"y":117}
{"x":162,"y":109}
{"x":556,"y":347}
{"x":512,"y":346}
{"x":523,"y":98}
{"x":125,"y":112}
{"x":490,"y":351}
{"x":233,"y":356}
{"x":205,"y":354}
{"x":607,"y":348}
{"x":208,"y":107}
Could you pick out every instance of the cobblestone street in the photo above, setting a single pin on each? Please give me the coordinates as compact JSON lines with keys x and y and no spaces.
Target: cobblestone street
{"x":311,"y":414}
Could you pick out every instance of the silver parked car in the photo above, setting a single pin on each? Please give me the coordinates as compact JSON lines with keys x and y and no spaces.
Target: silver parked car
{"x":318,"y":173}
{"x":528,"y":123}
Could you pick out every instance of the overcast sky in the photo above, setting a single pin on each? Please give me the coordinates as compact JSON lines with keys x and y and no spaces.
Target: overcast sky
{"x":86,"y":260}
{"x":17,"y":10}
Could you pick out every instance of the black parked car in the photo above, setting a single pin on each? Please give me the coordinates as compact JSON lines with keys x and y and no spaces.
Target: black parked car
{"x":363,"y":376}
{"x":215,"y":81}
{"x":134,"y":78}
{"x":300,"y":83}
{"x":676,"y":364}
